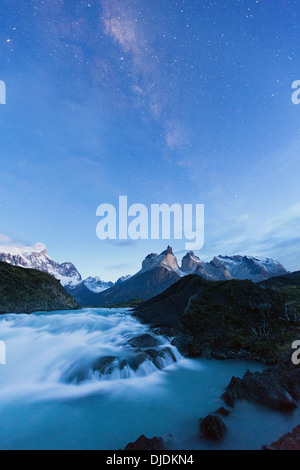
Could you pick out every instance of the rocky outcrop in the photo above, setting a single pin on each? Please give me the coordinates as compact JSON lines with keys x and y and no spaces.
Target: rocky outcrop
{"x":290,"y":441}
{"x":277,"y":387}
{"x":143,"y":443}
{"x":212,"y":427}
{"x":164,"y":310}
{"x":223,"y":411}
{"x":28,"y":290}
{"x":143,"y":341}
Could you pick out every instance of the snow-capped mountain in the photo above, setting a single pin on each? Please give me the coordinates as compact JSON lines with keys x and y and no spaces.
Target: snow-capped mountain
{"x":122,"y":279}
{"x":166,"y":260}
{"x":210,"y":271}
{"x":96,"y":285}
{"x":36,"y":257}
{"x":157,"y":274}
{"x":255,"y":269}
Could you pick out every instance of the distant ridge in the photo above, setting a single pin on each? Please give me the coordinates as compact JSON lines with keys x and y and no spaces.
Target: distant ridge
{"x":161,"y":271}
{"x":158,"y":272}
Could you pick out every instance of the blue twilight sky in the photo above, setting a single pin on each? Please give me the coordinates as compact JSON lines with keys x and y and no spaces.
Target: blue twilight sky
{"x":163,"y":101}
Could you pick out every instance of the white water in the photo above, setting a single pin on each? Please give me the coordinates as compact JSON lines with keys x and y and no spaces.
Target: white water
{"x":52,"y":398}
{"x":52,"y":354}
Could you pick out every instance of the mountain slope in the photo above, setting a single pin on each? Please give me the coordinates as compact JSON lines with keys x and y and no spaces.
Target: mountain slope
{"x":28,"y":290}
{"x":161,"y":271}
{"x":288,"y":280}
{"x":96,"y":285}
{"x":231,"y":319}
{"x":36,"y":257}
{"x":157,"y":274}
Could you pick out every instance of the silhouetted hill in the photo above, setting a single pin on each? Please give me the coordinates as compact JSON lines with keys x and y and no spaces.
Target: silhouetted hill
{"x":28,"y":290}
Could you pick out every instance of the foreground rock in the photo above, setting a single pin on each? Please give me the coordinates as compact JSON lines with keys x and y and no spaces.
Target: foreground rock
{"x":143,"y":341}
{"x":143,"y":443}
{"x":212,"y":427}
{"x":28,"y":290}
{"x":223,"y":411}
{"x":105,"y":364}
{"x":290,"y":441}
{"x":277,"y":387}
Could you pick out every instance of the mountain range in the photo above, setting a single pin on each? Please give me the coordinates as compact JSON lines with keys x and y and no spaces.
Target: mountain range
{"x":161,"y":271}
{"x":37,"y":257}
{"x":158,"y":272}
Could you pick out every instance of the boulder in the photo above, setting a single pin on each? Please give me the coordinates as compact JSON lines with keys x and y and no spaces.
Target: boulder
{"x":266,"y":388}
{"x":212,"y":427}
{"x":143,"y":341}
{"x":290,"y":441}
{"x":235,"y":391}
{"x":162,"y":356}
{"x":135,"y":361}
{"x":143,"y":443}
{"x":104,"y":365}
{"x":223,"y":411}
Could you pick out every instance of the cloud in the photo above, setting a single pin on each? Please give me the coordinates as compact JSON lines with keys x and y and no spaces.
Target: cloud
{"x":276,"y":237}
{"x":5,"y":239}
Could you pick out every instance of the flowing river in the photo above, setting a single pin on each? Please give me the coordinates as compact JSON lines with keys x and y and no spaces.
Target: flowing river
{"x":98,"y":379}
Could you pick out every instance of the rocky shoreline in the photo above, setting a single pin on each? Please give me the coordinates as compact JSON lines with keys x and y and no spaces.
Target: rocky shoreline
{"x":235,"y":320}
{"x":277,"y":387}
{"x":290,"y":441}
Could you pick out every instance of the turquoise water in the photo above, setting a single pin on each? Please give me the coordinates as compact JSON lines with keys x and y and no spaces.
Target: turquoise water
{"x":39,"y":409}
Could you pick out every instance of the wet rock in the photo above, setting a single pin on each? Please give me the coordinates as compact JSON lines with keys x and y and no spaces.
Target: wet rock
{"x":152,"y":353}
{"x":182,"y":343}
{"x":163,"y":358}
{"x":212,"y":427}
{"x":235,"y":391}
{"x":223,"y":411}
{"x":290,"y":441}
{"x":76,"y":373}
{"x":143,"y":443}
{"x":143,"y":341}
{"x":105,"y":364}
{"x":138,"y":359}
{"x":265,"y":388}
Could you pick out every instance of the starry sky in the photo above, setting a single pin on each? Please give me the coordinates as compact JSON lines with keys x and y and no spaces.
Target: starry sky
{"x":163,"y":101}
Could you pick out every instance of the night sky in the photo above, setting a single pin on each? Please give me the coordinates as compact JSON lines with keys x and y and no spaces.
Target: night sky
{"x":163,"y":101}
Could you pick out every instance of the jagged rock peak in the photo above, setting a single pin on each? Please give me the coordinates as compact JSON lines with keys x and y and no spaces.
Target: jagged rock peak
{"x":166,"y":259}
